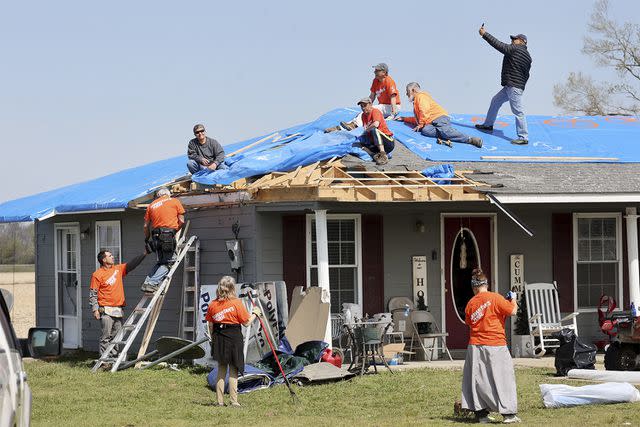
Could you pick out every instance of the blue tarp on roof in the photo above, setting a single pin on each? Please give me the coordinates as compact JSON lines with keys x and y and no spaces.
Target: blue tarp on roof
{"x":616,"y":138}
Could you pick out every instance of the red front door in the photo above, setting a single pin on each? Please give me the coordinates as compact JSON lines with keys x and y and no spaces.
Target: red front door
{"x":467,"y":245}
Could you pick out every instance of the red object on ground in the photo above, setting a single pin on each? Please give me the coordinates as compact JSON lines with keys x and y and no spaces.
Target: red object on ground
{"x":329,"y":357}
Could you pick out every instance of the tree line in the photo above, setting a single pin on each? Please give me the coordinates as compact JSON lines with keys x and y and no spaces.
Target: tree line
{"x":16,"y":244}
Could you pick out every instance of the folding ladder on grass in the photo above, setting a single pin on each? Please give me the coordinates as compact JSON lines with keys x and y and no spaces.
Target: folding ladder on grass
{"x":148,"y":308}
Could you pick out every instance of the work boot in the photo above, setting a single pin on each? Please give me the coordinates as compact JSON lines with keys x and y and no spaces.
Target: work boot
{"x":444,"y":142}
{"x":475,"y":141}
{"x":332,"y":129}
{"x":519,"y":141}
{"x":149,"y":288}
{"x":484,"y":127}
{"x":381,"y":159}
{"x":511,"y":419}
{"x":348,"y":125}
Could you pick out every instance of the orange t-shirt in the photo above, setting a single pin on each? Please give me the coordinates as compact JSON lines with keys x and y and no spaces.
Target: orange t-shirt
{"x":163,"y":213}
{"x":384,"y":89}
{"x":485,"y":315}
{"x":231,"y":311}
{"x":108,"y":283}
{"x":425,"y":110}
{"x":376,"y":115}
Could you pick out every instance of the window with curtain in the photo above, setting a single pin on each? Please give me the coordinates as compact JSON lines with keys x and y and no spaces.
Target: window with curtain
{"x":598,"y":258}
{"x":344,"y":247}
{"x":108,"y":238}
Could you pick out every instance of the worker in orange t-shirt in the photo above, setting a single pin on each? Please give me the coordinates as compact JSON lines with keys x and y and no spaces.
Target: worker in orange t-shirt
{"x":377,"y":140}
{"x":383,"y":87}
{"x":488,"y":379}
{"x":106,"y":294}
{"x":164,"y":217}
{"x":431,"y":120}
{"x":225,"y":316}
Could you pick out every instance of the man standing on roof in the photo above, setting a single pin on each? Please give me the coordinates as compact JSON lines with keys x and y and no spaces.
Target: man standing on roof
{"x":515,"y":73}
{"x":204,"y":153}
{"x":432,"y":120}
{"x":384,"y":88}
{"x":106,"y":294}
{"x":377,"y":140}
{"x":164,"y":217}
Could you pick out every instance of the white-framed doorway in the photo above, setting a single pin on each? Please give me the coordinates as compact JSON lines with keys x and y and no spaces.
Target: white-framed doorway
{"x":67,"y":282}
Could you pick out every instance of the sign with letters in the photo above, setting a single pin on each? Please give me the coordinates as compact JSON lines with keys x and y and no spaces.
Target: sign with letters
{"x":517,"y":273}
{"x":419,"y":267}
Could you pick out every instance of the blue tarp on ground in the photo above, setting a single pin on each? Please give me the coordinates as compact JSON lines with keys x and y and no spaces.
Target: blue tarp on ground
{"x":550,"y":136}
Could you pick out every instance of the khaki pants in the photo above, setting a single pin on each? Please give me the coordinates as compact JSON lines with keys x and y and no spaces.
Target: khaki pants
{"x":110,"y":327}
{"x":233,"y":383}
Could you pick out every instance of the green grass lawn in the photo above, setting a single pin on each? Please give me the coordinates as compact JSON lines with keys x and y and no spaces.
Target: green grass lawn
{"x":66,"y":393}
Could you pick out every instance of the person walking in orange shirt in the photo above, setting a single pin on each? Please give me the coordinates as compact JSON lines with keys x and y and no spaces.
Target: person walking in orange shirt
{"x":383,"y":87}
{"x":224,"y":317}
{"x":488,"y":378}
{"x":106,"y":294}
{"x":377,"y":140}
{"x":431,"y":120}
{"x":164,"y":217}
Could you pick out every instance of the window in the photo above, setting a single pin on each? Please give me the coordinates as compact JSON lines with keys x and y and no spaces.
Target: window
{"x":598,"y":255}
{"x":108,"y":238}
{"x":343,"y":235}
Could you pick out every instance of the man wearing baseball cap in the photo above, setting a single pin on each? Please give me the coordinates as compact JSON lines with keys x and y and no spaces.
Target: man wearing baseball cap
{"x":515,"y":73}
{"x":384,"y":88}
{"x":377,"y":140}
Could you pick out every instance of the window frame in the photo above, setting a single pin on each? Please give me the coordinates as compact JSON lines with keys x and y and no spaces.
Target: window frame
{"x":358,"y":249}
{"x":98,"y":247}
{"x":620,"y":257}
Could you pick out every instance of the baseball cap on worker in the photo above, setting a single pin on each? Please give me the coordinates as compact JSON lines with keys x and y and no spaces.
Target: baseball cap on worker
{"x":365,"y":101}
{"x":198,"y":127}
{"x":381,"y":67}
{"x":519,"y":36}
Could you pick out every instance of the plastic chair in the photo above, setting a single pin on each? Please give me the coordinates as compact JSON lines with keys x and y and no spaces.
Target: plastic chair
{"x":420,"y":316}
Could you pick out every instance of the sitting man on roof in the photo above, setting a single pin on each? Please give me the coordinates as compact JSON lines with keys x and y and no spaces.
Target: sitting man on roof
{"x":432,"y":120}
{"x":106,"y":294}
{"x":204,"y":153}
{"x":377,"y":140}
{"x":384,"y":88}
{"x":163,"y":219}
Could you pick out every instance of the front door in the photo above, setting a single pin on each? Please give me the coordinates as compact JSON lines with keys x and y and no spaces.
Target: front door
{"x":68,"y":297}
{"x":467,"y":245}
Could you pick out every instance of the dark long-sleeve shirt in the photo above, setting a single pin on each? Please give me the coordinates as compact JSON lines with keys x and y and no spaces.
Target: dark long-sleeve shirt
{"x":211,"y":150}
{"x":515,"y":64}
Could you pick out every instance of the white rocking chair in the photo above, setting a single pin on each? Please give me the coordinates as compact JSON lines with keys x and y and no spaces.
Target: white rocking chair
{"x":544,"y":316}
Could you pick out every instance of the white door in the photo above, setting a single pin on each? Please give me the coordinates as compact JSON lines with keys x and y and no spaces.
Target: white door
{"x":68,"y":297}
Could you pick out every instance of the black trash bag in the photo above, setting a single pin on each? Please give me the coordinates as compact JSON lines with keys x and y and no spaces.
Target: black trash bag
{"x":573,"y":353}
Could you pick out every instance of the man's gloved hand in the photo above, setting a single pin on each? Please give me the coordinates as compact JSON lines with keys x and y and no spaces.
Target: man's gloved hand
{"x":256,"y":311}
{"x":510,"y":295}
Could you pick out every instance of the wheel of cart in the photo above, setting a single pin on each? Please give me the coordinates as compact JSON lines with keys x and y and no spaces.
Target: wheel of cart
{"x":621,"y":356}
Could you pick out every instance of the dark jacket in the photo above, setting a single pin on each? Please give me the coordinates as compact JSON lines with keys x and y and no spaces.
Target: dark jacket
{"x":515,"y":64}
{"x":210,"y":150}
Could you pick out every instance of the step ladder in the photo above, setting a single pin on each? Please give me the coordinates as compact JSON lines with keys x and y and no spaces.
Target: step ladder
{"x":190,"y":293}
{"x":148,"y":308}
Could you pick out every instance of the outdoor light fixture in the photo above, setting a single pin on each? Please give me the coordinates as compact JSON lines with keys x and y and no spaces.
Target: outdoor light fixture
{"x":84,"y":234}
{"x":420,"y":227}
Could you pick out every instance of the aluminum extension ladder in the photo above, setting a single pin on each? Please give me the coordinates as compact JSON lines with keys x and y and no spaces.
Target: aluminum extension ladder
{"x":148,"y":308}
{"x":190,"y":293}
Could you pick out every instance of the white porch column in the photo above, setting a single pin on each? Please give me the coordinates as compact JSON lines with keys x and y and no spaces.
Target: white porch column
{"x":632,"y":256}
{"x":322,"y":246}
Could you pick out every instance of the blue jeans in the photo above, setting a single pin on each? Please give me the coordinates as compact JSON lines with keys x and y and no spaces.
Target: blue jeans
{"x":194,"y":166}
{"x":441,"y":128}
{"x":514,"y":96}
{"x":373,"y":138}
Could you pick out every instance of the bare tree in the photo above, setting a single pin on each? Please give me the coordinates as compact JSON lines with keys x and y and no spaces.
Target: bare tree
{"x":614,"y":46}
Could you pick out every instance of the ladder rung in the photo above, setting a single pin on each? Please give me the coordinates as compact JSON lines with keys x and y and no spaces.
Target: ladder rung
{"x":187,"y":328}
{"x":190,"y":289}
{"x":118,"y":342}
{"x":188,"y":308}
{"x":189,"y":269}
{"x":128,"y":327}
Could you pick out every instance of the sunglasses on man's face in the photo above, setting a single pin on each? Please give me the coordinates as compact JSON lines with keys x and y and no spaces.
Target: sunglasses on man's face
{"x":198,"y":131}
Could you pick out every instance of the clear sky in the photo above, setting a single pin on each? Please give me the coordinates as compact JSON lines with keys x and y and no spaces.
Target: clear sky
{"x":90,"y":88}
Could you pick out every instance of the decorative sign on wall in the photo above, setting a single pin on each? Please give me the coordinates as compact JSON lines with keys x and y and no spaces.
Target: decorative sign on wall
{"x":517,"y":273}
{"x":419,"y":264}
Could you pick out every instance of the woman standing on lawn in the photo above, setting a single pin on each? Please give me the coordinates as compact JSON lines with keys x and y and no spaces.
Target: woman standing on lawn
{"x":488,"y":379}
{"x":225,"y":316}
